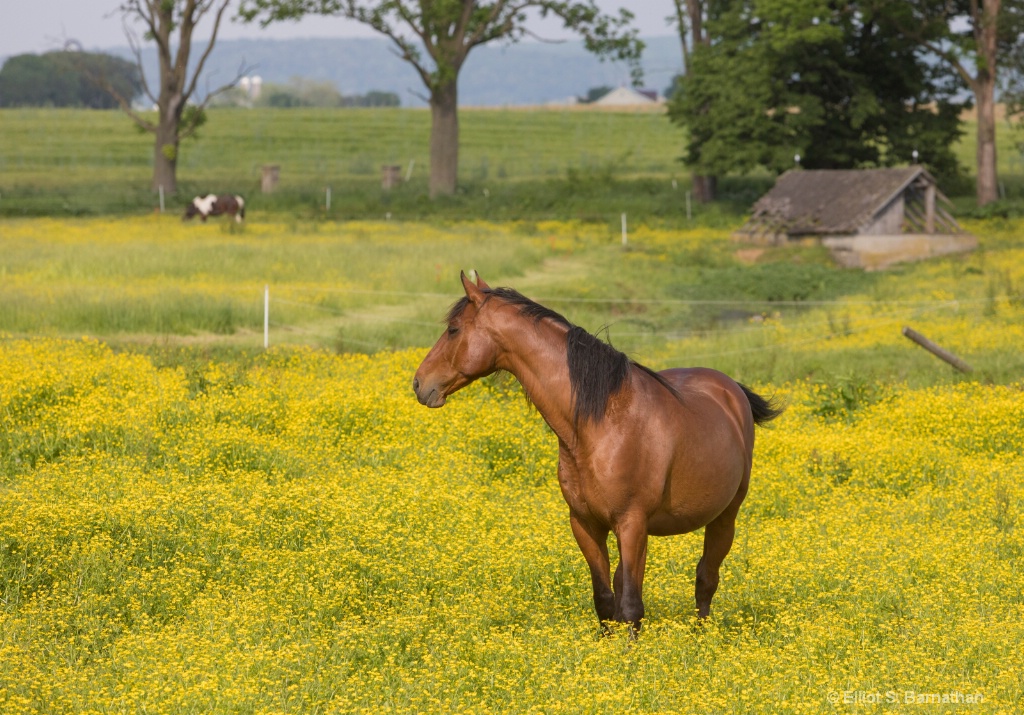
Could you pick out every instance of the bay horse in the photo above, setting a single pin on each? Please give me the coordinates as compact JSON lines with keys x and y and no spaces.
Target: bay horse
{"x":639,"y":452}
{"x":215,"y":205}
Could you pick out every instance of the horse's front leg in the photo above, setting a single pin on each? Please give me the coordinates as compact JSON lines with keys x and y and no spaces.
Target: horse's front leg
{"x":629,"y":576}
{"x":593,"y":542}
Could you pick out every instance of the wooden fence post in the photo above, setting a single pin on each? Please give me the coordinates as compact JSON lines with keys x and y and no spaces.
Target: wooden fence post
{"x":271,"y":174}
{"x":390,"y":175}
{"x":937,"y":351}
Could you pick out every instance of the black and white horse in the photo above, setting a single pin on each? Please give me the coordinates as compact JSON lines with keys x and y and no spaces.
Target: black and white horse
{"x":215,"y":205}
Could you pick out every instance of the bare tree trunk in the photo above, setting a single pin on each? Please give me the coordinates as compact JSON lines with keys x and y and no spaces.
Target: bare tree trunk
{"x":983,"y":86}
{"x":165,"y":167}
{"x":985,"y":19}
{"x":681,"y":15}
{"x":444,"y":138}
{"x":704,"y":187}
{"x":165,"y":159}
{"x":988,"y":182}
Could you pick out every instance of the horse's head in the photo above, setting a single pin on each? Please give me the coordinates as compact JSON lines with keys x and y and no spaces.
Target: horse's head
{"x":464,"y":352}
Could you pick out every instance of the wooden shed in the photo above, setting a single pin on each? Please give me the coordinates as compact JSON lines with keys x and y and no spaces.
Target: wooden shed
{"x":869,"y":218}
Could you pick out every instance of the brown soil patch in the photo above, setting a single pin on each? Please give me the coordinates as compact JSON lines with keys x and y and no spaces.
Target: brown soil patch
{"x":749,"y":255}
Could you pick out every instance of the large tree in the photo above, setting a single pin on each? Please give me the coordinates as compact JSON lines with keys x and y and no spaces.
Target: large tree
{"x":978,"y":39}
{"x":788,"y":77}
{"x":445,"y":31}
{"x":166,"y":23}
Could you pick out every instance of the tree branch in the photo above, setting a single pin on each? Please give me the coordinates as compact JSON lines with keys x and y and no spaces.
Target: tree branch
{"x":209,"y":49}
{"x":133,"y":43}
{"x":954,"y":61}
{"x":148,"y":16}
{"x":482,"y":36}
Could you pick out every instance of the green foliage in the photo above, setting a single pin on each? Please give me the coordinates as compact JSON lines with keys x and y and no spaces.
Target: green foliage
{"x":300,"y":93}
{"x":842,"y":395}
{"x":192,"y":118}
{"x":782,"y":78}
{"x":780,"y":281}
{"x":373,"y":98}
{"x":66,"y":79}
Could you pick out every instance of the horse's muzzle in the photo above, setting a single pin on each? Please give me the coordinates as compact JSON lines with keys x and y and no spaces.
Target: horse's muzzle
{"x":431,"y":397}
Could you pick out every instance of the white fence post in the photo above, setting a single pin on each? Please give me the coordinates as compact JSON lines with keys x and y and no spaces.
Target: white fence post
{"x":266,"y":316}
{"x":624,"y":239}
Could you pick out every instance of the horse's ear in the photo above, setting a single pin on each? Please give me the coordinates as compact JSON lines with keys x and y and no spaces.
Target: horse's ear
{"x":474,"y":292}
{"x":480,"y":282}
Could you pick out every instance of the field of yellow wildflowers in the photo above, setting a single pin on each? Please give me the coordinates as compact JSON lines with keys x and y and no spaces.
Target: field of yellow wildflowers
{"x":290,"y":532}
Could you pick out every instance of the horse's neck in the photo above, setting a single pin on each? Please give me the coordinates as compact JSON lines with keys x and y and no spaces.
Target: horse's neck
{"x":536,"y":355}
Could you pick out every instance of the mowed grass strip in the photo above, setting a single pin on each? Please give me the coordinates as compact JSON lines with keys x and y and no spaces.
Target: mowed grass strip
{"x":88,"y":162}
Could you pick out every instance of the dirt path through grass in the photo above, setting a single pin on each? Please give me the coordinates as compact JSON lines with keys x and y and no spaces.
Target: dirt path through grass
{"x":333,"y":329}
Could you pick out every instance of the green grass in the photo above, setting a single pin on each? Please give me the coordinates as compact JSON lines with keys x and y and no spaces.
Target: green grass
{"x":669,"y":298}
{"x":74,"y":162}
{"x":514,"y":164}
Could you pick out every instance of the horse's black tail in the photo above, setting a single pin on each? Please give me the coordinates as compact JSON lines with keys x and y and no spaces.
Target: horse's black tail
{"x":762,"y":409}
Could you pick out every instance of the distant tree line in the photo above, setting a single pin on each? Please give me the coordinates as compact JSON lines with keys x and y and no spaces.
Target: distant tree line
{"x":300,"y":92}
{"x":593,"y":94}
{"x":66,"y":79}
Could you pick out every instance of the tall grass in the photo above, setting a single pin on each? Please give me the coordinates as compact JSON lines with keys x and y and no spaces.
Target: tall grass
{"x":669,"y":297}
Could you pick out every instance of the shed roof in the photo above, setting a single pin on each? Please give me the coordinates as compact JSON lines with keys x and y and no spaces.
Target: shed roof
{"x":826,"y":201}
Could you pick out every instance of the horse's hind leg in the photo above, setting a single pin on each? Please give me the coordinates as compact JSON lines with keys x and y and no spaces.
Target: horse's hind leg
{"x":718,"y":536}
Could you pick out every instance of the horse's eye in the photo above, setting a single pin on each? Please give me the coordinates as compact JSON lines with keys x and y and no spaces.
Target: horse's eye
{"x":452,"y":330}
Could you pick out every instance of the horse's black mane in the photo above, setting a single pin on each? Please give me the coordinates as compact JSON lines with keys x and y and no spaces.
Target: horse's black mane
{"x":527,"y":307}
{"x":596,"y":369}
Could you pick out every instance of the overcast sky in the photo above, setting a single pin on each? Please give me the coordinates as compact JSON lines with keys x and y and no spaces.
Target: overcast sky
{"x":42,"y":25}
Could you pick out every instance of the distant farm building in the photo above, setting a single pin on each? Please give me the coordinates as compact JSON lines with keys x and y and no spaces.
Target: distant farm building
{"x":627,"y":97}
{"x":868,"y":218}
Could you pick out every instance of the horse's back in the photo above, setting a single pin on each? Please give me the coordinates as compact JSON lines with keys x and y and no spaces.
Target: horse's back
{"x":711,"y":390}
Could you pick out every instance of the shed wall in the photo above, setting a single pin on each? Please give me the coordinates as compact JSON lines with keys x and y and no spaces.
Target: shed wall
{"x":888,"y":221}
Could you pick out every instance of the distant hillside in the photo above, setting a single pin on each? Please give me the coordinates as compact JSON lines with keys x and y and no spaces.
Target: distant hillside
{"x":496,"y":75}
